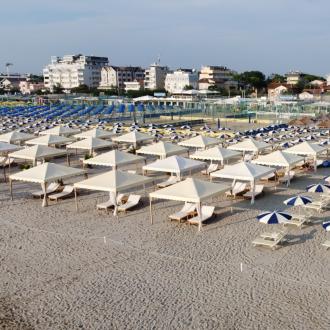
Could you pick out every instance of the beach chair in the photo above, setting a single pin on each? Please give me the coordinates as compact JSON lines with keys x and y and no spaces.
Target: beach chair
{"x":298,"y":220}
{"x":207,"y":213}
{"x":259,"y":189}
{"x":238,"y":189}
{"x":131,"y":171}
{"x":210,"y":169}
{"x":4,"y":161}
{"x":318,"y":206}
{"x":132,"y":201}
{"x":287,"y":176}
{"x":108,"y":204}
{"x":268,"y":177}
{"x":66,"y":192}
{"x":52,"y":188}
{"x":170,"y":181}
{"x":184,"y":213}
{"x":326,"y":244}
{"x":271,"y":240}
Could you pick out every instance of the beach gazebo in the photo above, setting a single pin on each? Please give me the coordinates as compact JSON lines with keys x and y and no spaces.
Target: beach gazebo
{"x":307,"y":149}
{"x":114,"y":159}
{"x":250,"y":145}
{"x":37,"y":152}
{"x":49,"y":140}
{"x":44,"y":174}
{"x":162,"y":149}
{"x":5,"y":149}
{"x":216,"y":154}
{"x":60,"y":130}
{"x":244,"y":172}
{"x":133,"y":138}
{"x":190,"y":190}
{"x":112,"y":182}
{"x":15,"y":137}
{"x":90,"y":144}
{"x":199,"y":142}
{"x":95,"y":133}
{"x":174,"y":164}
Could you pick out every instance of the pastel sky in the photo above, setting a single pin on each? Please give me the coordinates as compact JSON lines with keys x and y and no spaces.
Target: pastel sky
{"x":266,"y":35}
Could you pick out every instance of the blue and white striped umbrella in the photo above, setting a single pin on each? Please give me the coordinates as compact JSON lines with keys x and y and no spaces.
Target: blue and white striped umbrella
{"x":326,"y":225}
{"x":297,"y":201}
{"x":327,"y":178}
{"x":318,"y":188}
{"x":274,"y":217}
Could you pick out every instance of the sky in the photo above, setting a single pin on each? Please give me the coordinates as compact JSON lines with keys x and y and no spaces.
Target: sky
{"x":266,"y":35}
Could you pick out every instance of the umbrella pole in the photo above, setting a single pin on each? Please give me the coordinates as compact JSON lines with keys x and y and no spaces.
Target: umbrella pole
{"x":151,"y":219}
{"x":76,"y":199}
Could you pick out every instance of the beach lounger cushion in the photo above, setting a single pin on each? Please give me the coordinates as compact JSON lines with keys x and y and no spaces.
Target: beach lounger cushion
{"x":66,"y":192}
{"x":207,"y":213}
{"x":186,"y":210}
{"x":132,"y":201}
{"x":52,"y":188}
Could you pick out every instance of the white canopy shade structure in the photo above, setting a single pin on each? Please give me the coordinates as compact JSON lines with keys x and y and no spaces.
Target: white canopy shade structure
{"x":60,"y":130}
{"x":162,"y":149}
{"x":134,"y":138}
{"x":37,"y":152}
{"x":250,"y":145}
{"x":114,"y":159}
{"x":244,"y":172}
{"x":216,"y":154}
{"x":190,"y":190}
{"x":113,"y":182}
{"x":49,"y":140}
{"x":199,"y":142}
{"x":307,"y":149}
{"x":91,"y":144}
{"x":7,"y":147}
{"x":174,"y":164}
{"x":15,"y":137}
{"x":95,"y":133}
{"x":44,"y":174}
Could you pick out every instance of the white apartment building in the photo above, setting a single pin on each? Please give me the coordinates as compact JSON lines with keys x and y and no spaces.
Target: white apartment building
{"x":116,"y":76}
{"x":154,"y":76}
{"x":176,"y":81}
{"x":71,"y":71}
{"x":215,"y":76}
{"x":293,"y":77}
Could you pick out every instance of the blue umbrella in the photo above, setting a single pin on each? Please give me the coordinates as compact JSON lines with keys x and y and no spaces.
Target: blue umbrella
{"x":274,"y":217}
{"x":297,"y":201}
{"x":326,"y":225}
{"x":318,"y":188}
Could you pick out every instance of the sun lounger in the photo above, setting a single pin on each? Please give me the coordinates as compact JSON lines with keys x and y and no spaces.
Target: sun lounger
{"x":318,"y":206}
{"x":207,"y":213}
{"x":52,"y":188}
{"x":287,"y":176}
{"x":170,"y":181}
{"x":4,"y":161}
{"x":184,"y":213}
{"x":131,"y":171}
{"x":298,"y":221}
{"x":66,"y":192}
{"x":326,"y":244}
{"x":210,"y":169}
{"x":239,"y":188}
{"x":257,"y":191}
{"x":271,"y":240}
{"x":268,"y":177}
{"x":132,"y":201}
{"x":109,"y":203}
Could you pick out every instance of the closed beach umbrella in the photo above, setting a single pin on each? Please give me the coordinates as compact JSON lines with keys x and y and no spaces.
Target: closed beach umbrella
{"x":318,"y":188}
{"x":297,"y":201}
{"x":274,"y":217}
{"x":326,"y":225}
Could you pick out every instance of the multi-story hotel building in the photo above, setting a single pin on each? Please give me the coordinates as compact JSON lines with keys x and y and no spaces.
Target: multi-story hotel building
{"x":215,"y":76}
{"x":176,"y":81}
{"x":155,"y":77}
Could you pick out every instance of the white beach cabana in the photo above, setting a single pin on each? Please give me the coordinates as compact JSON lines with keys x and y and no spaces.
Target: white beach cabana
{"x":162,"y":149}
{"x":95,"y":133}
{"x":49,"y":140}
{"x":90,"y":144}
{"x":15,"y":137}
{"x":37,"y":152}
{"x":44,"y":174}
{"x":307,"y":149}
{"x":112,"y":182}
{"x":114,"y":159}
{"x":199,"y":142}
{"x":250,"y":145}
{"x":244,"y":172}
{"x":216,"y":154}
{"x":174,"y":164}
{"x":190,"y":190}
{"x":134,"y":138}
{"x":60,"y":130}
{"x":5,"y":149}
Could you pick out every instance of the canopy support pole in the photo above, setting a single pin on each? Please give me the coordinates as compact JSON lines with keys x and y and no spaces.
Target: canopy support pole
{"x":44,"y":202}
{"x":75,"y":198}
{"x":11,"y":189}
{"x":150,"y":203}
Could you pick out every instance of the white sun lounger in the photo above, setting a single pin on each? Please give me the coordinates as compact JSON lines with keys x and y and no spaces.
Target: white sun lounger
{"x":186,"y":210}
{"x":239,"y":188}
{"x":271,"y":240}
{"x":52,"y":188}
{"x":132,"y":201}
{"x":298,"y":221}
{"x":268,"y":177}
{"x":318,"y":206}
{"x":66,"y":192}
{"x":108,"y":204}
{"x":210,"y":169}
{"x":287,"y":176}
{"x":259,"y":188}
{"x":169,"y":182}
{"x":326,"y":244}
{"x":207,"y":213}
{"x":4,"y":161}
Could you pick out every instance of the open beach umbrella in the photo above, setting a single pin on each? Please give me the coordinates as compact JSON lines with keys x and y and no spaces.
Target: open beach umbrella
{"x":326,"y":225}
{"x":273,"y":217}
{"x":327,"y":178}
{"x":318,"y":188}
{"x":297,"y":201}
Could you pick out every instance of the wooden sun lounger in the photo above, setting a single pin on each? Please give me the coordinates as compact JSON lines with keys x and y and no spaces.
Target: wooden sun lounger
{"x":287,"y":176}
{"x":184,"y":213}
{"x":326,"y":244}
{"x":132,"y":201}
{"x":318,"y":206}
{"x":207,"y":213}
{"x":271,"y":240}
{"x":66,"y":192}
{"x":52,"y":188}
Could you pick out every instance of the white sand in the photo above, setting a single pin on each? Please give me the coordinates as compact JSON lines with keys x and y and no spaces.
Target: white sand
{"x":66,"y":270}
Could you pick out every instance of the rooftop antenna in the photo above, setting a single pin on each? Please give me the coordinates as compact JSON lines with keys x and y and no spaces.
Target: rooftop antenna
{"x":7,"y":68}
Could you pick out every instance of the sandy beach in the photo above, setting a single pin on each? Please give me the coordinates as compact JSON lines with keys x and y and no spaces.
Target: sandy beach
{"x":66,"y":270}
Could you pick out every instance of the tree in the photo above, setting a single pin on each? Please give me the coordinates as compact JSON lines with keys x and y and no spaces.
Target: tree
{"x":254,"y":79}
{"x":81,"y":89}
{"x":276,"y":78}
{"x":57,"y":89}
{"x":188,"y":87}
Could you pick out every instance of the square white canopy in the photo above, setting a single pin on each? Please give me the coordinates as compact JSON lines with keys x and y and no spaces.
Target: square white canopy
{"x":60,"y":130}
{"x":7,"y":147}
{"x":95,"y":133}
{"x":199,"y":142}
{"x":250,"y":145}
{"x":90,"y":144}
{"x":279,"y":158}
{"x":15,"y":137}
{"x":217,"y":154}
{"x":134,"y":138}
{"x":162,"y":149}
{"x":49,"y":140}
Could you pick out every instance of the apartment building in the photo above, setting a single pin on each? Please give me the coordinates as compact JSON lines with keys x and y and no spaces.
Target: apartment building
{"x":155,"y":76}
{"x":175,"y":82}
{"x":215,"y":76}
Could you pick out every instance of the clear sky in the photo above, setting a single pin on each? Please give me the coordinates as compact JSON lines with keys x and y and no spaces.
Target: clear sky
{"x":266,"y":35}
